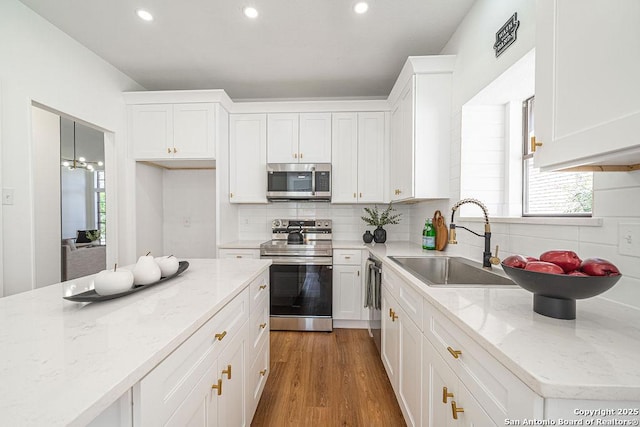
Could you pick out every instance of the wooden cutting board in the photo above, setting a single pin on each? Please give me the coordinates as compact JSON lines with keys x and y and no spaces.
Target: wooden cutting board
{"x":442,"y":232}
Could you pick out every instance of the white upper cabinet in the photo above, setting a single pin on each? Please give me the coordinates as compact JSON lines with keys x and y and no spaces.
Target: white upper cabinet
{"x":299,"y":138}
{"x":420,"y":129}
{"x":587,"y":106}
{"x":282,"y":138}
{"x":315,"y":138}
{"x":248,"y":158}
{"x":358,"y":157}
{"x":173,"y":131}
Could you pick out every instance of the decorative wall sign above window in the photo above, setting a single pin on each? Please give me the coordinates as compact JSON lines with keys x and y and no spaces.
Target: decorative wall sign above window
{"x":506,"y":35}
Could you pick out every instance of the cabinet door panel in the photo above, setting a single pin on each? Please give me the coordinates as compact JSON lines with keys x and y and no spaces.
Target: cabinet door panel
{"x":370,"y":157}
{"x":410,"y":369}
{"x":282,"y":138}
{"x":152,"y":131}
{"x":199,"y":409}
{"x":315,"y":138}
{"x":436,"y":375}
{"x":390,"y":340}
{"x":344,"y":158}
{"x":248,"y":158}
{"x":587,"y":89}
{"x":347,"y":292}
{"x":194,"y":130}
{"x":231,"y":402}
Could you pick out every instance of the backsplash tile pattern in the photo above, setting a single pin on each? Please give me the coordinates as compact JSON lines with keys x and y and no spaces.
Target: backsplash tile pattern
{"x":255,"y":220}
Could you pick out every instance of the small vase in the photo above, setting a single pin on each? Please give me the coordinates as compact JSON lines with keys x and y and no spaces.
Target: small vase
{"x":367,"y":237}
{"x":379,"y":235}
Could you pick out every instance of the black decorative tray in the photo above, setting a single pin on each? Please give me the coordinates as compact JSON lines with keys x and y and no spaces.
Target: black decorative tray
{"x":93,"y":296}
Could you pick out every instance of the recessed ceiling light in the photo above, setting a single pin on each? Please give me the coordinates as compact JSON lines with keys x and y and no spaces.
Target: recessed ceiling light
{"x":144,"y":15}
{"x":250,"y":12}
{"x":361,"y":7}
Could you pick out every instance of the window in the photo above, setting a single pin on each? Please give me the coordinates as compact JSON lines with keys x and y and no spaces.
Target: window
{"x":551,"y":193}
{"x":101,"y":204}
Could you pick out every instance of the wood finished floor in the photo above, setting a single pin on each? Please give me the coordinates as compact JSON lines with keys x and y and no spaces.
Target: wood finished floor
{"x":326,"y":379}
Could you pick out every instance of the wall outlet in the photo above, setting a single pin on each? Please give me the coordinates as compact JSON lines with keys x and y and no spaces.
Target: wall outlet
{"x":7,"y":196}
{"x":629,"y":239}
{"x":186,"y":221}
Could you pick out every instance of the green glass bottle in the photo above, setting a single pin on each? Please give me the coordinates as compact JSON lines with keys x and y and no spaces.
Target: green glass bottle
{"x":428,"y":236}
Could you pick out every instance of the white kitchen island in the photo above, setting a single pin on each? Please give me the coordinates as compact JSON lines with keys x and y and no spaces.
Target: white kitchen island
{"x":64,"y":363}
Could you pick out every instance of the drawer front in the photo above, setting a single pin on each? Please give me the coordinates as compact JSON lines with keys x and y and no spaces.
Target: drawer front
{"x":391,"y":281}
{"x":259,"y":290}
{"x":496,"y":389}
{"x":239,"y":253}
{"x":347,"y":256}
{"x":412,"y":302}
{"x":259,"y":326}
{"x":160,"y":393}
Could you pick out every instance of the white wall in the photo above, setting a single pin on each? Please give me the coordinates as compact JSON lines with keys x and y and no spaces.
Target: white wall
{"x":255,"y":220}
{"x":40,"y":63}
{"x":189,"y":213}
{"x":149,"y":210}
{"x":616,"y":195}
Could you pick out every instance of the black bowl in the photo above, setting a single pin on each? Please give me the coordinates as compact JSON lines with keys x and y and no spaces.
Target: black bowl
{"x":555,"y":295}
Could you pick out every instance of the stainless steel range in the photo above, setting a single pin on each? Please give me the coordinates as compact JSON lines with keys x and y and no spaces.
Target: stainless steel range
{"x":301,"y":274}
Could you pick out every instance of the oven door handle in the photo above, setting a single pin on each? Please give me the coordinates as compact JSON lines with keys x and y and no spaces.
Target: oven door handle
{"x":290,"y":260}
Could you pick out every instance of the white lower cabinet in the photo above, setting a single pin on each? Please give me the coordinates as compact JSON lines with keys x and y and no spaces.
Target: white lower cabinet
{"x":348,"y":288}
{"x":207,"y":380}
{"x":239,"y":253}
{"x":402,"y":357}
{"x":441,"y":377}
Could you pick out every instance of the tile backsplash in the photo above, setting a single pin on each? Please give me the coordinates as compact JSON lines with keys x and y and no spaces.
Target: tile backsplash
{"x":255,"y":220}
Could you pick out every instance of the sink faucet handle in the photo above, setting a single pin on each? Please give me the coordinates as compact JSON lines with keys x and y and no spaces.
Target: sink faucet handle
{"x":494,"y":259}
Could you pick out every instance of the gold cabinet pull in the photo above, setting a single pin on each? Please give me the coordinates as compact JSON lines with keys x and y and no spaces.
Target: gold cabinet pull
{"x":454,"y":353}
{"x":169,"y":150}
{"x":393,"y":316}
{"x":347,"y":257}
{"x":174,"y":150}
{"x":263,"y":325}
{"x":354,"y":195}
{"x":300,"y":155}
{"x":445,"y":394}
{"x":238,"y":256}
{"x":218,"y":387}
{"x":220,"y":336}
{"x":390,"y":312}
{"x":231,"y":195}
{"x":263,"y":372}
{"x":455,"y":409}
{"x":227,"y":372}
{"x":535,"y":144}
{"x":262,"y":287}
{"x":361,"y":195}
{"x":358,"y":273}
{"x":295,"y":155}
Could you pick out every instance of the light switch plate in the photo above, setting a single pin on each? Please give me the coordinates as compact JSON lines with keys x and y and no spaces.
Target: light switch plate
{"x":7,"y":196}
{"x":629,"y":239}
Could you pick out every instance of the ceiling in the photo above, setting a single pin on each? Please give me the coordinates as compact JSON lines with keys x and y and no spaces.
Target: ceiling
{"x":295,"y":48}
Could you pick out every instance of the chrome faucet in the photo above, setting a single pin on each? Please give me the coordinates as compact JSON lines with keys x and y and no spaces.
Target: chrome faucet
{"x":487,"y":258}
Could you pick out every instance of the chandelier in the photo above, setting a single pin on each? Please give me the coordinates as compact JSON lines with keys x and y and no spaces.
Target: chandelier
{"x":79,"y":162}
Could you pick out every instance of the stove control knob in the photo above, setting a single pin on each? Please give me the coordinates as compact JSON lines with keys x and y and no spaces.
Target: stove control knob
{"x":276,"y":223}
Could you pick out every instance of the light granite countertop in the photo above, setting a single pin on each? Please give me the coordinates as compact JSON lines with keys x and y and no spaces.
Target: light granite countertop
{"x":596,"y":356}
{"x":63,"y":363}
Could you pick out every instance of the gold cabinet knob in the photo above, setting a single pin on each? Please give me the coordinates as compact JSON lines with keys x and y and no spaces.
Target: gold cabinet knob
{"x":263,"y":372}
{"x":263,"y":325}
{"x":262,"y":287}
{"x":455,"y":409}
{"x":218,"y":387}
{"x":227,"y":372}
{"x":445,"y":394}
{"x":535,"y":144}
{"x":454,"y":353}
{"x":219,"y":337}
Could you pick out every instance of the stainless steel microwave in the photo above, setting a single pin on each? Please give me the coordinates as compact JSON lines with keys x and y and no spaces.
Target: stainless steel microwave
{"x":299,"y":181}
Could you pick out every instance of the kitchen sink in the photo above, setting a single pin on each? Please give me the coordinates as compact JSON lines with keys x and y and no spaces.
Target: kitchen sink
{"x":453,"y":272}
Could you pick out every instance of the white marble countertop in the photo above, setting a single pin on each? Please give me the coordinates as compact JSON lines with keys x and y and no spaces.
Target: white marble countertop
{"x":63,"y":363}
{"x":596,"y":356}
